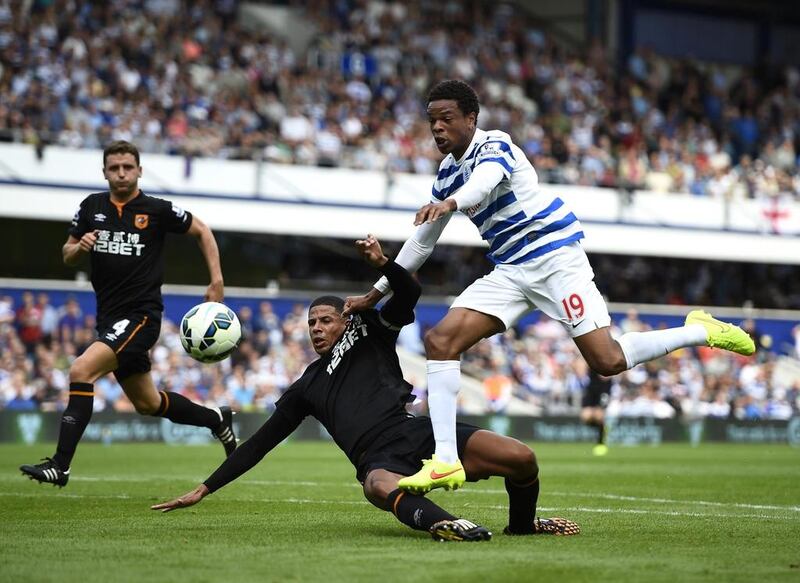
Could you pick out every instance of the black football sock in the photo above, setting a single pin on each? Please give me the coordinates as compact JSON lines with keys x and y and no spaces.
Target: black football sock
{"x":73,"y":422}
{"x":601,"y":431}
{"x":179,"y":409}
{"x":416,"y":511}
{"x":522,"y":500}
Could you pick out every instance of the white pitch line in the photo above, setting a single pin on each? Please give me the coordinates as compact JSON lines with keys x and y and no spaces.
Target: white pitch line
{"x":545,"y":493}
{"x":62,"y":495}
{"x":668,"y":501}
{"x":364,"y":503}
{"x":654,"y":500}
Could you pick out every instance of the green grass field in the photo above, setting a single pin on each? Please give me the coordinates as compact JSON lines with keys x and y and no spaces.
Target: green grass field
{"x":672,"y":513}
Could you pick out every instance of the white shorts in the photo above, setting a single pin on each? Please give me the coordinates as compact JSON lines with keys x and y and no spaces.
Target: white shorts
{"x":560,"y":284}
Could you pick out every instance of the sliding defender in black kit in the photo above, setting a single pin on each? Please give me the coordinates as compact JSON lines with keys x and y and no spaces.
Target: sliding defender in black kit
{"x":356,"y":390}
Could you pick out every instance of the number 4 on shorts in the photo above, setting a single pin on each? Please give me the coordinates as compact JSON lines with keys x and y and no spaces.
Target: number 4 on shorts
{"x":120,"y":327}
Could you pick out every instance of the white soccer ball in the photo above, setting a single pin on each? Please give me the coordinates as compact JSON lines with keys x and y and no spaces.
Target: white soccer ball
{"x":210,"y":332}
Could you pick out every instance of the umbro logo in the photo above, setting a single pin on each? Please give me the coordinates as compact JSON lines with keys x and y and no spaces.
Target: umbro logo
{"x":100,"y":217}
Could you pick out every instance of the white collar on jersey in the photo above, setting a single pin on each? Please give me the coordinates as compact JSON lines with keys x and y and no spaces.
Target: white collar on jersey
{"x":478,"y":136}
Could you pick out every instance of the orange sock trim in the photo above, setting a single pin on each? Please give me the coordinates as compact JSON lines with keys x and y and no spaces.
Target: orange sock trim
{"x":82,"y":393}
{"x":396,"y":501}
{"x":164,"y":404}
{"x":531,"y":483}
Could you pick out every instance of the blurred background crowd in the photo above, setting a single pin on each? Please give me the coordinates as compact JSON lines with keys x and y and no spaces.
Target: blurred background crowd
{"x":538,"y":365}
{"x":188,"y":78}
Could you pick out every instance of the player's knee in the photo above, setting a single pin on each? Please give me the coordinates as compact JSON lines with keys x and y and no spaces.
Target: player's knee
{"x":524,"y":461}
{"x":82,"y":371}
{"x":146,"y":407}
{"x":607,"y":364}
{"x":438,"y":346}
{"x":376,"y":494}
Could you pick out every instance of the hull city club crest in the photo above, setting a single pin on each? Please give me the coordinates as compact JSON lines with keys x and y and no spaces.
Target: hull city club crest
{"x":141,"y":221}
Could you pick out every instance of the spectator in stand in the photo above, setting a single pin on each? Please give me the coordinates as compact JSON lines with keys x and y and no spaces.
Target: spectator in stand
{"x":70,"y":320}
{"x":29,"y":319}
{"x":498,"y":388}
{"x":49,"y":323}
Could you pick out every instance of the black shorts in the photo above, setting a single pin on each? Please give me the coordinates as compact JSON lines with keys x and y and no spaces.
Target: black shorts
{"x":131,"y":338}
{"x":597,"y":391}
{"x":404,"y":447}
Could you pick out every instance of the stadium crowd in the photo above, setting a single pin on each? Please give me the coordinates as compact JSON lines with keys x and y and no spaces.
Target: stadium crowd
{"x":189,"y":78}
{"x":539,"y":365}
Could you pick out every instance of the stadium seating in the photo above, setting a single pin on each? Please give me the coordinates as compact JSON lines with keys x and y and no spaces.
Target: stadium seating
{"x":186,"y":78}
{"x":540,"y":368}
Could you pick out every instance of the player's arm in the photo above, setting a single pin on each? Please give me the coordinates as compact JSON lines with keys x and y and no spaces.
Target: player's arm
{"x":484,"y":179}
{"x":208,"y":247}
{"x":414,"y":253}
{"x":277,"y":428}
{"x":74,"y":249}
{"x":399,"y":310}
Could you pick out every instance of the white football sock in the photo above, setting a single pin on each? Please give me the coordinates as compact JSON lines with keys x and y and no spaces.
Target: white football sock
{"x":444,"y":381}
{"x":640,"y":347}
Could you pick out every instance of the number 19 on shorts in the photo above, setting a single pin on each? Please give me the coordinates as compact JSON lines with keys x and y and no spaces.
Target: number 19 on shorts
{"x":573,"y":307}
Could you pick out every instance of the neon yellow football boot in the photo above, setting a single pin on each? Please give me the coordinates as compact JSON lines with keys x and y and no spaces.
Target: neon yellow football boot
{"x":722,"y":334}
{"x":434,"y":474}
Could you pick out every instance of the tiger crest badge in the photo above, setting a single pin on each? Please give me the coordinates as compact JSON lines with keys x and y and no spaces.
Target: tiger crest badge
{"x":141,"y":221}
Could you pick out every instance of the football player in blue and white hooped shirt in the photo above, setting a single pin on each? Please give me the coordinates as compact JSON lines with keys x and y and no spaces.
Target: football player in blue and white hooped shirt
{"x":534,"y":242}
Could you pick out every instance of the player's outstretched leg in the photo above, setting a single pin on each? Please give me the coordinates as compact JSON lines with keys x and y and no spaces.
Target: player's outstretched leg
{"x":700,"y":329}
{"x":444,"y":469}
{"x":179,"y":409}
{"x":142,"y":392}
{"x":47,"y":472}
{"x":722,"y":334}
{"x":418,"y":512}
{"x":460,"y":329}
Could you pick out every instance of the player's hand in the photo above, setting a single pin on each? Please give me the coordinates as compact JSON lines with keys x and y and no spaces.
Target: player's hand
{"x":371,"y":251}
{"x":434,"y":211}
{"x":87,"y":242}
{"x":188,"y":499}
{"x":353,"y":304}
{"x":215,"y":292}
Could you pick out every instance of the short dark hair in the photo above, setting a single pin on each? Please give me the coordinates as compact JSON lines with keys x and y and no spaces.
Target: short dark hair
{"x":333,"y":301}
{"x":120,"y":147}
{"x":458,"y":91}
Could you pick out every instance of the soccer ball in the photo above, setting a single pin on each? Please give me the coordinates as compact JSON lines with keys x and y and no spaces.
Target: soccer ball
{"x":210,"y":332}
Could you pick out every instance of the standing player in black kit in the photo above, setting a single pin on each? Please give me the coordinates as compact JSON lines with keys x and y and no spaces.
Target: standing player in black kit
{"x":123,"y":232}
{"x":356,"y":390}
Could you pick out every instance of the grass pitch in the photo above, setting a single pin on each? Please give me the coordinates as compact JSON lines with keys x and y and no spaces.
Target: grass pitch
{"x":672,"y":513}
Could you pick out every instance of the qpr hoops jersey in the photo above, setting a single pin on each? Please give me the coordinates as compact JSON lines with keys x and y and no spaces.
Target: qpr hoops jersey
{"x":516,"y":219}
{"x":127,"y":261}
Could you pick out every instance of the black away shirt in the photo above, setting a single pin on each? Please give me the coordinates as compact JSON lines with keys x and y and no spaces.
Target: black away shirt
{"x":127,"y":261}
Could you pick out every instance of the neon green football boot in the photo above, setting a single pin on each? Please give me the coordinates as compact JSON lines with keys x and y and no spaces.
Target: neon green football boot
{"x":434,"y":474}
{"x":722,"y":334}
